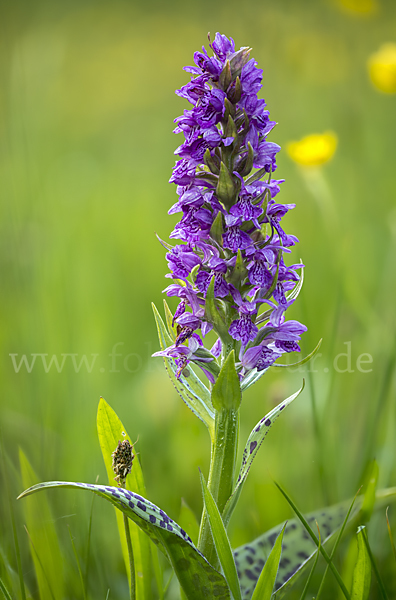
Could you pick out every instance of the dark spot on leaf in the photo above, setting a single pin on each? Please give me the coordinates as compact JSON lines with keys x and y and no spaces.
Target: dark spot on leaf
{"x":272,"y":538}
{"x":252,"y":446}
{"x":141,"y":506}
{"x":250,"y":549}
{"x":218,"y":591}
{"x":260,"y":562}
{"x":282,"y":407}
{"x":162,"y":524}
{"x":302,"y":555}
{"x":183,"y":532}
{"x":153,"y":518}
{"x":268,"y":422}
{"x":250,"y":560}
{"x":183,"y":564}
{"x":250,"y":574}
{"x":169,"y":527}
{"x":131,"y":504}
{"x":284,"y":562}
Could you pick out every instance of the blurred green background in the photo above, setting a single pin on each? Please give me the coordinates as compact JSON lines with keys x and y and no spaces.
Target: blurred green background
{"x":86,"y":150}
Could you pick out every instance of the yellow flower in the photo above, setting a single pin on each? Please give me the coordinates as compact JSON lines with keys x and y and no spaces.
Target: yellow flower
{"x":359,"y":6}
{"x":382,"y":68}
{"x":313,"y":150}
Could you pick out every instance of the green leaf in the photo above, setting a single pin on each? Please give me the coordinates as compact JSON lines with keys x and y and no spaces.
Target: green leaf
{"x":6,"y":593}
{"x":249,"y":161}
{"x":390,"y":534}
{"x":308,"y":582}
{"x":239,"y":272}
{"x":210,"y":162}
{"x":188,"y":521}
{"x":110,"y":431}
{"x":362,"y":573}
{"x":225,"y":190}
{"x":373,"y":563}
{"x":226,"y":392}
{"x":221,"y":541}
{"x":316,"y":541}
{"x":253,"y":444}
{"x":193,"y":392}
{"x":303,"y":360}
{"x":172,"y":329}
{"x":225,"y":76}
{"x":266,"y":581}
{"x":213,"y":314}
{"x":299,"y":549}
{"x":196,"y":576}
{"x":369,"y":496}
{"x":339,"y":536}
{"x":216,"y":231}
{"x":230,"y":129}
{"x":43,"y":535}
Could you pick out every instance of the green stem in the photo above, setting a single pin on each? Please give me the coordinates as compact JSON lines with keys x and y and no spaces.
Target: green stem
{"x":132,"y":583}
{"x":221,"y":474}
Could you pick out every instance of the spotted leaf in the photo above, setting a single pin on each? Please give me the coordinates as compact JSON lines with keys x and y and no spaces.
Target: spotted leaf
{"x":298,"y":548}
{"x":197,"y":577}
{"x":253,"y":443}
{"x":194,"y":393}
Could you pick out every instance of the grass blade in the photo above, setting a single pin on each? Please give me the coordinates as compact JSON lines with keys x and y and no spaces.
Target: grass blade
{"x":390,"y":534}
{"x":221,"y":541}
{"x":5,"y":591}
{"x":44,"y":589}
{"x":362,"y":572}
{"x":47,"y":556}
{"x":266,"y":582}
{"x":306,"y":587}
{"x":14,"y":530}
{"x":337,"y":543}
{"x":316,"y":541}
{"x":362,"y":531}
{"x":78,"y":564}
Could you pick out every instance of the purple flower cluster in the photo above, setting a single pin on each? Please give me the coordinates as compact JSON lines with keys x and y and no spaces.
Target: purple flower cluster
{"x":230,"y":225}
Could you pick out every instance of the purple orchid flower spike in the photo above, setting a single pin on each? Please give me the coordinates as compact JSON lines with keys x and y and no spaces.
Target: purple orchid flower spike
{"x":230,"y":255}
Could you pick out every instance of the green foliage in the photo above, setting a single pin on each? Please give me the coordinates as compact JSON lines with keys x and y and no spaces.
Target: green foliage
{"x":252,"y":446}
{"x":188,"y":521}
{"x":196,"y":576}
{"x":42,"y":534}
{"x":214,"y":314}
{"x":110,"y":432}
{"x":226,"y":392}
{"x":369,"y":495}
{"x":221,"y":542}
{"x":362,"y":572}
{"x":299,"y":549}
{"x":266,"y":581}
{"x":194,"y":393}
